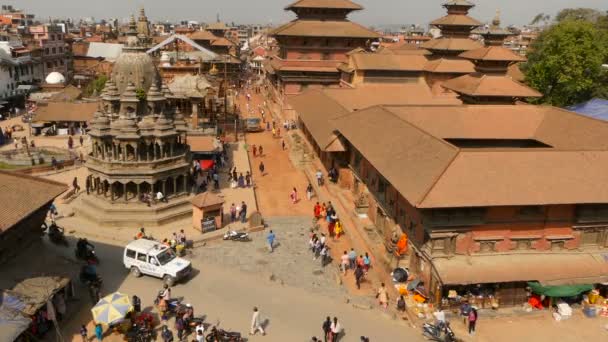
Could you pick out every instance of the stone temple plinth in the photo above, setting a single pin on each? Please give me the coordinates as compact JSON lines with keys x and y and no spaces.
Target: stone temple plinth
{"x":138,"y":148}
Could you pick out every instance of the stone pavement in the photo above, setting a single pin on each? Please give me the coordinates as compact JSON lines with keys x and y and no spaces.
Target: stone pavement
{"x":291,"y":263}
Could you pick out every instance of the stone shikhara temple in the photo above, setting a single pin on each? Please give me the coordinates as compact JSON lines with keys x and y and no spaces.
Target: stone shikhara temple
{"x":138,"y":145}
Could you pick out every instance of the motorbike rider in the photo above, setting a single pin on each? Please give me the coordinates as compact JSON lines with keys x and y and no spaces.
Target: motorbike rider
{"x":188,"y":314}
{"x":166,"y":293}
{"x":54,"y":230}
{"x":83,"y":246}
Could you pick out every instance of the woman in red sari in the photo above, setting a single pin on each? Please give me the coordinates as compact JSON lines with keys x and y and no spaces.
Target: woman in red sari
{"x":317,"y":210}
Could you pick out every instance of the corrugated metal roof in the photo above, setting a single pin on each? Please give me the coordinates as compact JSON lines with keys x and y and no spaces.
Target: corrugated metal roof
{"x":107,"y":51}
{"x":594,"y":108}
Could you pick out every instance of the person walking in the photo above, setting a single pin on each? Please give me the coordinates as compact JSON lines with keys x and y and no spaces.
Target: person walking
{"x":81,"y":140}
{"x":87,"y":184}
{"x":309,"y":191}
{"x":382,"y":296}
{"x":270,"y":238}
{"x":179,"y":326}
{"x":167,"y":334}
{"x":319,"y":176}
{"x":338,"y":229}
{"x":324,"y":255}
{"x":256,"y":325}
{"x":344,"y":262}
{"x":294,"y":196}
{"x":352,"y":259}
{"x":283,"y":144}
{"x":317,"y":210}
{"x":255,"y":151}
{"x":99,"y":332}
{"x":367,"y":263}
{"x":70,"y":142}
{"x":327,"y":329}
{"x":232,"y":213}
{"x":262,"y":168}
{"x":248,"y":179}
{"x":358,"y":276}
{"x":336,"y":329}
{"x":243,"y":212}
{"x":465,"y":309}
{"x":472,"y":321}
{"x":75,"y":185}
{"x":261,"y":150}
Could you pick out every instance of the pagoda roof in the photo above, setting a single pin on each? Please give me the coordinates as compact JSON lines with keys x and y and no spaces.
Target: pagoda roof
{"x":450,"y":65}
{"x":203,"y":35}
{"x":334,"y":4}
{"x":482,"y":85}
{"x":452,"y":44}
{"x":324,"y":28}
{"x":493,"y":53}
{"x":456,"y":20}
{"x":375,"y":61}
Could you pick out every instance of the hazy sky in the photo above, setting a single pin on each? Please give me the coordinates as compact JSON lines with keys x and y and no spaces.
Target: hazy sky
{"x":271,"y":11}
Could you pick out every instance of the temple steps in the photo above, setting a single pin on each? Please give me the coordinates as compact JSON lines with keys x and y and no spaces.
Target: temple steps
{"x":134,"y":214}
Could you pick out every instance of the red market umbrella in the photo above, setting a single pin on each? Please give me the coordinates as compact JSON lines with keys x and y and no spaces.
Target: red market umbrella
{"x":207,"y":164}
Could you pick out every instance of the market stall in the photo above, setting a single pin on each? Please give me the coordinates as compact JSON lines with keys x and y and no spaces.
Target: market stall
{"x":40,"y":300}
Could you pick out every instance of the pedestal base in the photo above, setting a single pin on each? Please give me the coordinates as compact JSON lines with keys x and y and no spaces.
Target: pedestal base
{"x":133,"y":214}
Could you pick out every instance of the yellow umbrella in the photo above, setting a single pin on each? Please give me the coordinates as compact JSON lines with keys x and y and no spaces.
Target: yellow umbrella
{"x":112,"y":308}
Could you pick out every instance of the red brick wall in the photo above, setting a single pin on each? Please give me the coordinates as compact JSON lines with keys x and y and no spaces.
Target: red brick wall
{"x":504,"y":224}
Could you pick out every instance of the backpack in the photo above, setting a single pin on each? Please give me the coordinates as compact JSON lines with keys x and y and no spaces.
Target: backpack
{"x":472,"y":316}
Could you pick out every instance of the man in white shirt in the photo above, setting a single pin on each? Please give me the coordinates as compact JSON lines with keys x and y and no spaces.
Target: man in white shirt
{"x":256,"y":325}
{"x":160,"y":197}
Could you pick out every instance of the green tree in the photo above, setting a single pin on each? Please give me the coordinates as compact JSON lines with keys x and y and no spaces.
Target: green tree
{"x":96,"y":86}
{"x":565,"y":63}
{"x":587,"y":14}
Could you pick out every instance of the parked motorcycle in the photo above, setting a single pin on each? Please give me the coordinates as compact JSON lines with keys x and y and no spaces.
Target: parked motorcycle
{"x":56,"y":235}
{"x":237,"y":236}
{"x":173,"y":304}
{"x":140,"y":333}
{"x":440,"y":332}
{"x":220,"y":335}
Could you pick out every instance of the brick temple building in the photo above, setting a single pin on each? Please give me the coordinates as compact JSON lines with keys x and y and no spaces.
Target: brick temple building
{"x":313,"y":45}
{"x":492,"y":193}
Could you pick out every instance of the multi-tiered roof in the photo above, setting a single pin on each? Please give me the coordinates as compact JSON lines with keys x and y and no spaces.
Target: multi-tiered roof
{"x":455,"y":28}
{"x":490,"y":82}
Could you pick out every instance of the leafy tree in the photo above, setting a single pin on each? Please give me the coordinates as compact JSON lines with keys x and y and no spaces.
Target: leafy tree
{"x":587,"y":14}
{"x":540,"y":17}
{"x":96,"y":86}
{"x":565,"y":63}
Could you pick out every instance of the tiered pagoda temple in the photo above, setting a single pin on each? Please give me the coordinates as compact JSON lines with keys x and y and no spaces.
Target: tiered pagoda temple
{"x":490,"y":83}
{"x":138,"y":146}
{"x":455,"y":39}
{"x":314,"y":44}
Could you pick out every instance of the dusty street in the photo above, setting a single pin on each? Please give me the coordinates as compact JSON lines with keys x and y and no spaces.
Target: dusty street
{"x":226,"y":294}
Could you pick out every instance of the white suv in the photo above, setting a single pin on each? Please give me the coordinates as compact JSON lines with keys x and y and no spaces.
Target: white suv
{"x":153,"y":258}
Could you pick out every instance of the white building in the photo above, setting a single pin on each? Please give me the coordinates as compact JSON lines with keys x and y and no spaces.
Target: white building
{"x":17,"y":73}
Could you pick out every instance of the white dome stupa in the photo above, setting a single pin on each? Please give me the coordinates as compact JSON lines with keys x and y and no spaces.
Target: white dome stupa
{"x":55,"y":78}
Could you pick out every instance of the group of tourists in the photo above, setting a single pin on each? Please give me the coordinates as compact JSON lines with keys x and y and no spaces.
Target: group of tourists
{"x":238,"y":212}
{"x":238,"y":180}
{"x":335,"y":227}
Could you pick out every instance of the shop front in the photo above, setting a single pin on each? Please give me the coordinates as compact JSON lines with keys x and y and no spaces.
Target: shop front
{"x":502,"y":281}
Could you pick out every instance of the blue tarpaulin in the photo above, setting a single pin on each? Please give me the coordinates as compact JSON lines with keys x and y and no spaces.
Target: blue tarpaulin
{"x":12,"y":321}
{"x":594,"y":108}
